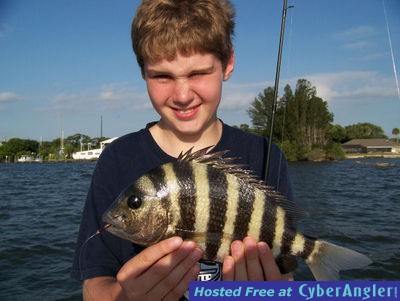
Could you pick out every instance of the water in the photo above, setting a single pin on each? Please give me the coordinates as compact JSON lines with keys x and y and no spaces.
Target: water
{"x":356,"y":205}
{"x":40,"y":209}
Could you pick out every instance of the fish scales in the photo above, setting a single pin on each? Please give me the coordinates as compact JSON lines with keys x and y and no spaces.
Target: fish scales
{"x":245,"y":207}
{"x":177,"y":207}
{"x":232,"y":223}
{"x":267,"y":232}
{"x":218,"y":200}
{"x":186,"y":202}
{"x":202,"y":208}
{"x":207,"y":198}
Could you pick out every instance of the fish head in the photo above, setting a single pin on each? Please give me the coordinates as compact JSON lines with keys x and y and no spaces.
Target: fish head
{"x":139,"y":214}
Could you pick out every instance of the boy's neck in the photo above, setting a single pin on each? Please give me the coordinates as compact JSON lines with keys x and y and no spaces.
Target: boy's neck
{"x":174,"y":143}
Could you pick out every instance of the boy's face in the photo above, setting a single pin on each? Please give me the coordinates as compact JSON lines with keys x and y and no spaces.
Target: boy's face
{"x":186,"y":92}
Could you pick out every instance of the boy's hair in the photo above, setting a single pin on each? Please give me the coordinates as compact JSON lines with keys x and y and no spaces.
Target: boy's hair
{"x":163,"y":28}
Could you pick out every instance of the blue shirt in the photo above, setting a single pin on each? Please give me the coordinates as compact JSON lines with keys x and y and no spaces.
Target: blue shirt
{"x":131,"y":156}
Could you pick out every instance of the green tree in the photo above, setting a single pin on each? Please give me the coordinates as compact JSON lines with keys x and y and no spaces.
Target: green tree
{"x":336,"y":133}
{"x":364,"y":130}
{"x":311,"y":115}
{"x":301,"y":117}
{"x":16,"y":147}
{"x":260,"y":112}
{"x":76,"y":140}
{"x":396,"y":132}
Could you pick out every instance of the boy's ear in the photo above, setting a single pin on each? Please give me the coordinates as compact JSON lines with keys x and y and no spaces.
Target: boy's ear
{"x":230,"y":66}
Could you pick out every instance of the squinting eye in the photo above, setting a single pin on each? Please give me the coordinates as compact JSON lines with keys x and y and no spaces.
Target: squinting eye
{"x":134,"y":202}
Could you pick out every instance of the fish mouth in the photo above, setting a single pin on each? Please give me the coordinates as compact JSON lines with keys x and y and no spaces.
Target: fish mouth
{"x":116,"y":221}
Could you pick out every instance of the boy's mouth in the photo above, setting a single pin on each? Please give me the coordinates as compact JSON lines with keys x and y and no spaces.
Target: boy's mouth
{"x":187,"y":113}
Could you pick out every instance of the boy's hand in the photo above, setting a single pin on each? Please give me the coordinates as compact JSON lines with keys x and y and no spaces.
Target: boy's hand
{"x":251,"y":261}
{"x":162,"y":271}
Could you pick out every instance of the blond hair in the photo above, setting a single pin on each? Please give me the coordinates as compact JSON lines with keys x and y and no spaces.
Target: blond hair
{"x":163,"y":28}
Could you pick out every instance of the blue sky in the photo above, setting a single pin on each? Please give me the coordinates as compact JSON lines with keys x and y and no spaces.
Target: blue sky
{"x":63,"y":64}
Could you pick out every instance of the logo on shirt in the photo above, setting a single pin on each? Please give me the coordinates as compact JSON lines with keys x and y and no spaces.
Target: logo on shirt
{"x":210,"y":271}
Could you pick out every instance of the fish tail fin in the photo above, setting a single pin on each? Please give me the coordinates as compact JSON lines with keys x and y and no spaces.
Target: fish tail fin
{"x":328,"y":259}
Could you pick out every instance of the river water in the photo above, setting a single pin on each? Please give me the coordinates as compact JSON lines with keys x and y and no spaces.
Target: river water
{"x":352,"y":203}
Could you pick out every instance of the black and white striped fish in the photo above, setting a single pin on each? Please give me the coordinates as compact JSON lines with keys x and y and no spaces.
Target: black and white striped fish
{"x":206,"y":198}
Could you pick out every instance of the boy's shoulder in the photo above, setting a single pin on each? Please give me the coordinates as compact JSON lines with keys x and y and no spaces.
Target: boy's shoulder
{"x":234,"y":136}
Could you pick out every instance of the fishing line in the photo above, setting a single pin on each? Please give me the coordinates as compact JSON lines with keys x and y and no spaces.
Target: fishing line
{"x":391,"y":48}
{"x":83,"y":246}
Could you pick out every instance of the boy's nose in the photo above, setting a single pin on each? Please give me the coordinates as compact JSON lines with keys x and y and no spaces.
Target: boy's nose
{"x":182,"y":92}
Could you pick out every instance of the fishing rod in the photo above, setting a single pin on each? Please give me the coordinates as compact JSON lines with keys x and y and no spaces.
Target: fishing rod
{"x":278,"y":68}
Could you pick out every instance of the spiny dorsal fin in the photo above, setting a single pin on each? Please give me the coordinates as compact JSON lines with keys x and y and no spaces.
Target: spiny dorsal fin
{"x":216,"y":160}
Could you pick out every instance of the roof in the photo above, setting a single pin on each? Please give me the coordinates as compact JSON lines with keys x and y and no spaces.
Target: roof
{"x":372,"y":143}
{"x":109,"y":140}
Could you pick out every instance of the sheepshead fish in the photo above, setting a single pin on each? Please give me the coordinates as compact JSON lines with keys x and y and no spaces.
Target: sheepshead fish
{"x":208,"y":199}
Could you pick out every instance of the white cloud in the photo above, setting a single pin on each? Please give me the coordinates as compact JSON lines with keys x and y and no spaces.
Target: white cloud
{"x":124,"y":95}
{"x":353,"y":86}
{"x":360,"y":32}
{"x":361,"y":38}
{"x":356,"y":45}
{"x":240,"y":96}
{"x":8,"y":96}
{"x":110,"y":97}
{"x":349,"y":86}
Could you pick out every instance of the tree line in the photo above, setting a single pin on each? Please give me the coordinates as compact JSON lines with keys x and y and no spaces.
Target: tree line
{"x":303,"y":125}
{"x":56,"y":149}
{"x":303,"y":129}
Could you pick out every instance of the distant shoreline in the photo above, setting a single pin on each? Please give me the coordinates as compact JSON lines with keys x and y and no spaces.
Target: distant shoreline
{"x":371,"y":156}
{"x":348,"y":156}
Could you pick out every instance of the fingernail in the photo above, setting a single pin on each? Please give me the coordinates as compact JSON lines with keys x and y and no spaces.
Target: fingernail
{"x":175,"y":241}
{"x":262,"y":247}
{"x":196,"y":254}
{"x":237,"y":247}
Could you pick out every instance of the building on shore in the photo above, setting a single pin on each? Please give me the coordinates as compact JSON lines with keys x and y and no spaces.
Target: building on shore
{"x":371,"y":146}
{"x":92,"y":154}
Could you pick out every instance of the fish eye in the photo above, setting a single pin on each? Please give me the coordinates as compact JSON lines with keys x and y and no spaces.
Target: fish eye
{"x":134,"y":202}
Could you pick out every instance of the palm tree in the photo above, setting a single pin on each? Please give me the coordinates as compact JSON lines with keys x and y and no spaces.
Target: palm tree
{"x":396,"y":132}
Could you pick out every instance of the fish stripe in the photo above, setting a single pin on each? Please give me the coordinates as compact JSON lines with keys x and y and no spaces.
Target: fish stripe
{"x":155,"y":176}
{"x":256,"y":219}
{"x":218,"y":195}
{"x":244,"y":211}
{"x":288,"y":240}
{"x":269,"y":221}
{"x":146,"y":185}
{"x":279,"y":231}
{"x":171,"y":181}
{"x":186,"y":198}
{"x":298,"y":245}
{"x":232,"y":215}
{"x":309,"y":246}
{"x":202,"y":202}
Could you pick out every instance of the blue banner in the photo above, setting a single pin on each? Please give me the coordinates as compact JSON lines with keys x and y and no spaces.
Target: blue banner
{"x":294,"y":290}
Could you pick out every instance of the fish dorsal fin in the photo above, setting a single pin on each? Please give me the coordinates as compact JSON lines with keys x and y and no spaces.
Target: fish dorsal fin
{"x":225,"y":164}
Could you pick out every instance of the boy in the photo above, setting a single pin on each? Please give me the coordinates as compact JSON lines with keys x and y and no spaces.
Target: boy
{"x":185,"y":52}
